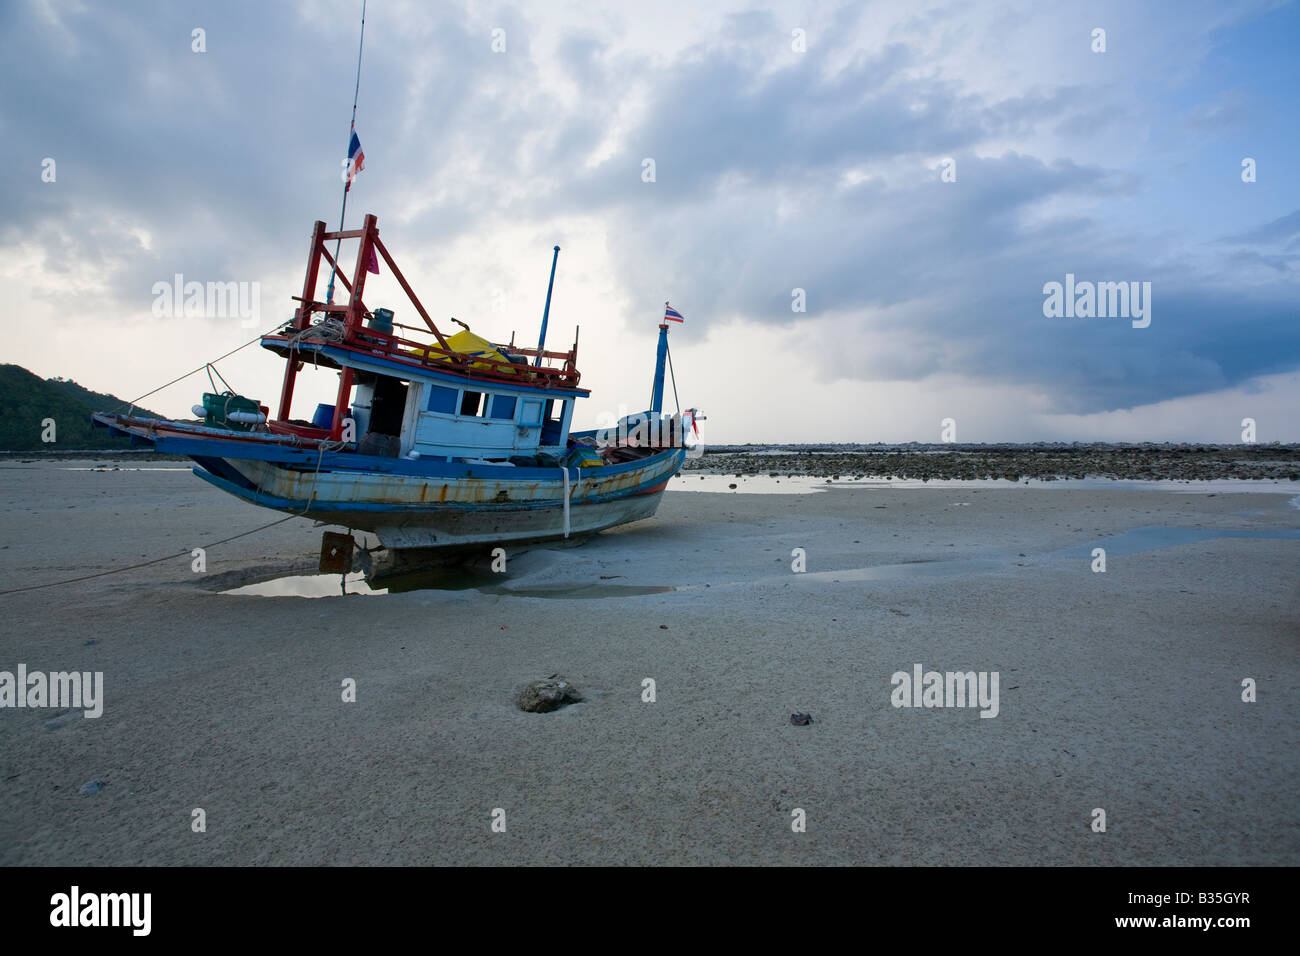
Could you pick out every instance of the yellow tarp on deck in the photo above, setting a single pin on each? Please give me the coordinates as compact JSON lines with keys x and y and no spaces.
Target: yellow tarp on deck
{"x":467,"y":343}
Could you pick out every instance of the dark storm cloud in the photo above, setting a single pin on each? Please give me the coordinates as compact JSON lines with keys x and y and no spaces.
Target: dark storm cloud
{"x":774,"y":171}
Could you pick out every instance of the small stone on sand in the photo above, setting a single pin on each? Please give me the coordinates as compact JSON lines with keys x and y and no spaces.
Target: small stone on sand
{"x":548,"y":694}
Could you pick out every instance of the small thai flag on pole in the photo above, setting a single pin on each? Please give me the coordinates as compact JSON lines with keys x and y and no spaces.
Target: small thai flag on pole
{"x":671,"y":314}
{"x":356,"y":160}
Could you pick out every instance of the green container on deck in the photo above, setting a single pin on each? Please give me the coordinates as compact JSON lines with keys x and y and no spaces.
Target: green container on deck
{"x":219,"y":406}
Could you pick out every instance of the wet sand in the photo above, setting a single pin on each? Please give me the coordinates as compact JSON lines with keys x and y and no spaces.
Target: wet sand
{"x":1119,"y":690}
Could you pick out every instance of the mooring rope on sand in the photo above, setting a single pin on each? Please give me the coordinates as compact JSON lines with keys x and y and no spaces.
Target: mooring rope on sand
{"x":189,"y":552}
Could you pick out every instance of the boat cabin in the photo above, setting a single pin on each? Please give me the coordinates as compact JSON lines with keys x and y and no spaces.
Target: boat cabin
{"x":458,"y":418}
{"x":457,"y":397}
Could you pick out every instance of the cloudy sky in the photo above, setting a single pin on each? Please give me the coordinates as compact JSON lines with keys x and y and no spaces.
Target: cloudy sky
{"x":798,"y":146}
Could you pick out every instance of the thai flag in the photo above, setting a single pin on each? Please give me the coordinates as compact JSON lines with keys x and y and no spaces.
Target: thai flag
{"x":672,"y":315}
{"x":356,"y":160}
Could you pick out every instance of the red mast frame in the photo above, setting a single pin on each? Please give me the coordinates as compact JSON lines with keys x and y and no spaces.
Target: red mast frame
{"x":370,"y":341}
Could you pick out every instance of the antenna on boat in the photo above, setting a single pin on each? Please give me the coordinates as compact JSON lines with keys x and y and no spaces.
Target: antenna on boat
{"x":546,"y":312}
{"x":657,"y":389}
{"x":347,"y":182}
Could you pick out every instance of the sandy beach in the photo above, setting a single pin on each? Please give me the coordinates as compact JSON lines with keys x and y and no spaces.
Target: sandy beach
{"x":1119,"y":690}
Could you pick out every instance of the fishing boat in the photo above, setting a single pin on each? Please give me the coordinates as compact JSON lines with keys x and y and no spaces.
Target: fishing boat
{"x":450,"y":444}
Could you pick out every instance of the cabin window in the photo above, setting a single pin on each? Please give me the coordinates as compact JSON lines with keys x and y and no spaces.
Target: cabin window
{"x":470,"y":403}
{"x":532,"y":413}
{"x":503,"y":406}
{"x":441,"y":399}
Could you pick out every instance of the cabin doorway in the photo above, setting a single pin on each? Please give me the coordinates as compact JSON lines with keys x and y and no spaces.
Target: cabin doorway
{"x":553,"y":421}
{"x":387,"y":413}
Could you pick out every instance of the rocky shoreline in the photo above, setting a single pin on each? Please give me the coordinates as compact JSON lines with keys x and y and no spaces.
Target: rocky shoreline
{"x":1044,"y":462}
{"x":1011,"y":462}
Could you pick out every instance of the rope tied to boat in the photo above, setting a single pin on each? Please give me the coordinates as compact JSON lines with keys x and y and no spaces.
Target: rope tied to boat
{"x":324,"y":446}
{"x":187,"y":553}
{"x":565,"y":471}
{"x":328,"y":331}
{"x":130,"y":406}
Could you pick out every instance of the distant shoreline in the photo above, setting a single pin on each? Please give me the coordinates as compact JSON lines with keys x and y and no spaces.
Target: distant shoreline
{"x":1041,"y":461}
{"x":1189,"y":462}
{"x":84,"y":454}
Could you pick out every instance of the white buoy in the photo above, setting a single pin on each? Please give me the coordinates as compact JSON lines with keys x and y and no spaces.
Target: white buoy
{"x":246,"y":418}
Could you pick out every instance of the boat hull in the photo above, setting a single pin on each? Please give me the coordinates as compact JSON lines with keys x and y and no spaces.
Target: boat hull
{"x":416,"y":504}
{"x":413,"y":511}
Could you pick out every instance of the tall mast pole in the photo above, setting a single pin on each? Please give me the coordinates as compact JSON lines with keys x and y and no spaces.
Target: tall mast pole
{"x":657,"y":390}
{"x":347,"y":182}
{"x":546,"y":312}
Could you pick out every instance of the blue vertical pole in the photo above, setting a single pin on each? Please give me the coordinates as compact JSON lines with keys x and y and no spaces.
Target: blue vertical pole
{"x":546,"y":312}
{"x":657,"y":395}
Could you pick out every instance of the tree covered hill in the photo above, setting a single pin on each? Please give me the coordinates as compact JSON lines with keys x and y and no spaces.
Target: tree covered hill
{"x":27,"y":400}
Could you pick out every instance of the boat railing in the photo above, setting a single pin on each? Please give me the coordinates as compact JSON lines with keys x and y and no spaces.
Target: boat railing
{"x":359,"y":333}
{"x":350,"y":325}
{"x":433,"y":356}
